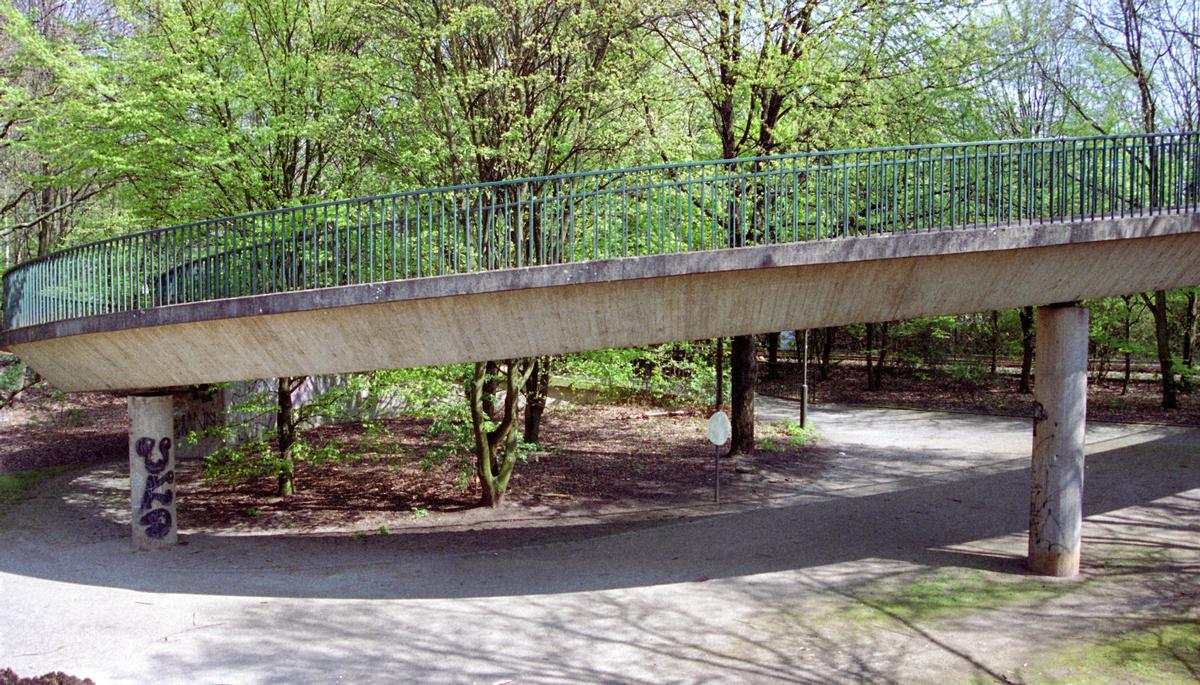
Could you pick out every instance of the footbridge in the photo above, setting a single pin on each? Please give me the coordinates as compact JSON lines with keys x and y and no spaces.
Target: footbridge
{"x":625,"y":257}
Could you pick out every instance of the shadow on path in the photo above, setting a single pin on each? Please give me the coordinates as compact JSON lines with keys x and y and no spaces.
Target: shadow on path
{"x":909,"y":524}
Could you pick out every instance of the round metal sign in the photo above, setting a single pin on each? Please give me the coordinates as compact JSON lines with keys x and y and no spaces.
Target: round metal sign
{"x":718,"y":428}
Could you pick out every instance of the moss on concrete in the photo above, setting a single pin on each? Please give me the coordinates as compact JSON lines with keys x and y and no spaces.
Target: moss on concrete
{"x":950,"y":593}
{"x":1163,"y":654}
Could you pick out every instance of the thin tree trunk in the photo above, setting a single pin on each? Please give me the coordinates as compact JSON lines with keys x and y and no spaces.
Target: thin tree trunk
{"x":876,"y":356}
{"x":868,"y":346}
{"x":825,"y":367}
{"x":995,"y":340}
{"x":537,"y":388}
{"x":1128,"y":374}
{"x":1128,"y":334}
{"x":772,"y":353}
{"x":720,"y":362}
{"x":1158,"y":307}
{"x":1026,"y":314}
{"x":881,"y":359}
{"x":285,"y":423}
{"x":1189,"y":330}
{"x":491,"y":369}
{"x":743,"y":374}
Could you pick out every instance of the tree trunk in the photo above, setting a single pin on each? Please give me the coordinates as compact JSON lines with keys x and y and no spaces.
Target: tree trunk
{"x":1189,"y":330}
{"x":825,"y":367}
{"x":285,"y":424}
{"x":1128,"y":374}
{"x":495,"y":450}
{"x":1128,"y":334}
{"x":875,"y":361}
{"x":881,"y":360}
{"x":743,"y":374}
{"x":537,"y":388}
{"x":868,"y":345}
{"x":772,"y":353}
{"x":720,"y":363}
{"x":1026,"y":315}
{"x":995,"y":340}
{"x":1158,"y":307}
{"x":491,"y":369}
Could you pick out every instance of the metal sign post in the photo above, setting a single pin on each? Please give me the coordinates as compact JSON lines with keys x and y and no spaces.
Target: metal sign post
{"x":718,"y":433}
{"x":804,"y":386}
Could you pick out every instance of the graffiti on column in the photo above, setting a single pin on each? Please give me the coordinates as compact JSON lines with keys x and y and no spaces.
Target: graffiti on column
{"x":159,"y":488}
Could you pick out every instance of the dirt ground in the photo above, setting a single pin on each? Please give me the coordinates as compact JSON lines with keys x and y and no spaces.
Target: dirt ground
{"x":598,"y":459}
{"x":45,"y":428}
{"x":633,"y":461}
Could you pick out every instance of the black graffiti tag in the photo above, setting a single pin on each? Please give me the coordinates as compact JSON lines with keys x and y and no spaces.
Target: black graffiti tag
{"x":153,"y":482}
{"x":157,"y":523}
{"x":145,"y":449}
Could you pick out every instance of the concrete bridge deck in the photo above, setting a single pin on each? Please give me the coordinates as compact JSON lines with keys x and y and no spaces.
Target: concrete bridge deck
{"x":613,"y":303}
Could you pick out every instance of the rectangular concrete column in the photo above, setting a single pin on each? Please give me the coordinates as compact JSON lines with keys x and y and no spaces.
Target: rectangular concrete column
{"x":1060,"y":391}
{"x":152,"y":471}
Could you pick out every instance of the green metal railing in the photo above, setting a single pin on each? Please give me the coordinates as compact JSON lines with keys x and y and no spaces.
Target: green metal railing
{"x":649,"y":210}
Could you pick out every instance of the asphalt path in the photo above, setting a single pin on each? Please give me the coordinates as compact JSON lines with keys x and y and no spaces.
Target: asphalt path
{"x":714,"y":594}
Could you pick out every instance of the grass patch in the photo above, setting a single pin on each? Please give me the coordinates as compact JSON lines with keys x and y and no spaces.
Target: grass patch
{"x":1160,"y":655}
{"x":787,"y":432}
{"x":14,"y":486}
{"x":949,"y":593}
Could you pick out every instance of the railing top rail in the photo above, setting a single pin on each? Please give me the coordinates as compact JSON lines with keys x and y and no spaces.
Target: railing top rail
{"x":585,"y":174}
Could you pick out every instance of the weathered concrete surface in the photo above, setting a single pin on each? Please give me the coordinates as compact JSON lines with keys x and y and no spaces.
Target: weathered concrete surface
{"x":196,"y":410}
{"x":1056,"y":479}
{"x":718,"y":595}
{"x":153,"y":520}
{"x":614,"y":303}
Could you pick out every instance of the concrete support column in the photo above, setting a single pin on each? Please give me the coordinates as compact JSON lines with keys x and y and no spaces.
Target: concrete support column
{"x":1060,"y":391}
{"x":152,"y":471}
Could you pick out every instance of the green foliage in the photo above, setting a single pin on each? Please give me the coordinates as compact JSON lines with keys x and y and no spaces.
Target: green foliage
{"x":12,"y":375}
{"x":247,"y":450}
{"x":797,"y":434}
{"x":673,"y":374}
{"x":259,"y":457}
{"x":964,"y":372}
{"x":511,"y":89}
{"x":789,"y":433}
{"x":434,"y":393}
{"x":15,"y":378}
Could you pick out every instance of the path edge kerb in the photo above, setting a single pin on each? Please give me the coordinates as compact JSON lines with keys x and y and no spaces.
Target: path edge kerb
{"x":879,"y":247}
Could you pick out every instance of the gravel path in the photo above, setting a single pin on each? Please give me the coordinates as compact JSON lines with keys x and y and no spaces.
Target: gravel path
{"x":738,"y":593}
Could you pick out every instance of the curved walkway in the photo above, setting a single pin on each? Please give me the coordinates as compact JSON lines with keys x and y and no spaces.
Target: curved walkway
{"x":735,"y":594}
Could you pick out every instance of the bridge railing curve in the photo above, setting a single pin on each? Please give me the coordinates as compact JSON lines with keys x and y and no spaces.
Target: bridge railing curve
{"x":650,"y":210}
